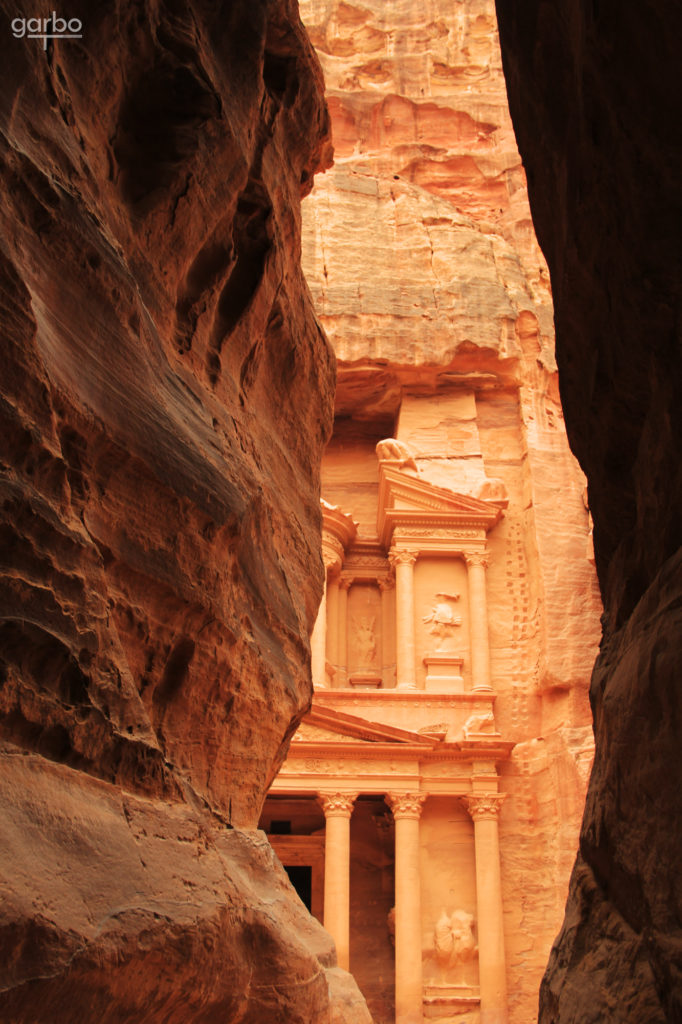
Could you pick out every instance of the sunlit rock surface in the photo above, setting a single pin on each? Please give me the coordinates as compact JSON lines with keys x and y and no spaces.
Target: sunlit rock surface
{"x":166,"y":393}
{"x":595,"y":98}
{"x":419,"y":251}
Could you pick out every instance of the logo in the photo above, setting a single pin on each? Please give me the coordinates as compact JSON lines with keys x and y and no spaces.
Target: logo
{"x":53,"y":27}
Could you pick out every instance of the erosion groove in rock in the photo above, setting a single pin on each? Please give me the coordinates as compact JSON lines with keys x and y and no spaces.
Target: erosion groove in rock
{"x":594,"y":95}
{"x":166,"y":394}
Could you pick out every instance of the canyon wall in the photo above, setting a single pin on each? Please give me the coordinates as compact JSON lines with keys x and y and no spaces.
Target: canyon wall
{"x":166,"y":395}
{"x":595,"y":98}
{"x":419,"y":250}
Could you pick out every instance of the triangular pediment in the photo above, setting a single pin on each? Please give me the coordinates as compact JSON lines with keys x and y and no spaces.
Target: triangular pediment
{"x":405,"y":498}
{"x":326,"y":725}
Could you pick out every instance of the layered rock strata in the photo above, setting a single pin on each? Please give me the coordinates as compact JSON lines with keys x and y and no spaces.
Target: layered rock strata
{"x":420,"y":253}
{"x":166,"y":393}
{"x":594,"y":94}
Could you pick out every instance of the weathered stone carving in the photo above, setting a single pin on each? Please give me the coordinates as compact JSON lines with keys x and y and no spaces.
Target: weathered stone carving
{"x":365,"y":638}
{"x":453,"y":938}
{"x":337,"y":803}
{"x":443,"y":620}
{"x":477,"y":725}
{"x":485,"y":805}
{"x":398,"y":556}
{"x":392,"y":450}
{"x":405,"y":805}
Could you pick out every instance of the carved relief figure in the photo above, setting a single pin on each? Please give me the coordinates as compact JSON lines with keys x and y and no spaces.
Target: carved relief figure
{"x":443,"y":620}
{"x":365,"y":640}
{"x":453,"y":939}
{"x":480,"y":724}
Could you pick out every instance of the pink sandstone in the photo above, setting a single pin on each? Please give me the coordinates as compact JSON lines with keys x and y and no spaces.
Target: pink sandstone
{"x":420,"y":255}
{"x":166,"y":393}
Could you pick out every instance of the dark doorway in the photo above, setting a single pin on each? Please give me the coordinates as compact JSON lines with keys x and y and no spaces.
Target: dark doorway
{"x":301,"y":877}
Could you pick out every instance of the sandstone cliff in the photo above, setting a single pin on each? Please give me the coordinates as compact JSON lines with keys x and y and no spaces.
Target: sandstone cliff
{"x":594,"y":91}
{"x":166,"y":393}
{"x":422,"y":261}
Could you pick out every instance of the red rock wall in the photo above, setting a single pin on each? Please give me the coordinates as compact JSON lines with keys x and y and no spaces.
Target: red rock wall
{"x":595,"y":98}
{"x":426,"y":275}
{"x":166,"y":394}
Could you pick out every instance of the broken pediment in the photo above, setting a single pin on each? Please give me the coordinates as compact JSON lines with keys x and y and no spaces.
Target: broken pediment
{"x":409,"y":501}
{"x":326,"y":725}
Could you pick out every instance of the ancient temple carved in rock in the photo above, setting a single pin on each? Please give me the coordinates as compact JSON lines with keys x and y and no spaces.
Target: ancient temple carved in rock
{"x":389,"y":810}
{"x":429,"y":806}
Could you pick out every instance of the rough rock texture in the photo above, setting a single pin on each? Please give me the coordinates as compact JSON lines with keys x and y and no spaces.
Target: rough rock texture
{"x":419,"y":251}
{"x":166,"y":393}
{"x":595,"y":97}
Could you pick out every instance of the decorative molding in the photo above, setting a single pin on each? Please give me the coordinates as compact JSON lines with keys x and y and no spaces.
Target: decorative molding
{"x":484,"y":806}
{"x":442,"y":529}
{"x":405,"y":805}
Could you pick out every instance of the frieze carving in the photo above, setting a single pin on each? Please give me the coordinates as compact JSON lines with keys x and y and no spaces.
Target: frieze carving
{"x":441,"y":530}
{"x":346,"y":767}
{"x":358,"y":562}
{"x":484,"y":805}
{"x":340,"y":804}
{"x":405,"y":805}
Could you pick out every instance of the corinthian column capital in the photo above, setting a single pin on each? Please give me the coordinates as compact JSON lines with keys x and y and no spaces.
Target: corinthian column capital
{"x":405,"y":805}
{"x":477,"y":558}
{"x":484,"y":806}
{"x":397,"y":556}
{"x":337,"y":804}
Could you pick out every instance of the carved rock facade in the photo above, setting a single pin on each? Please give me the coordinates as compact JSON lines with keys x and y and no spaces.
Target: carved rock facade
{"x":461,"y":517}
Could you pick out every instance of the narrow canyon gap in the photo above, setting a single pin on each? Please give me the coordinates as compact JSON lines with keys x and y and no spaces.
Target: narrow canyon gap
{"x":594,"y":91}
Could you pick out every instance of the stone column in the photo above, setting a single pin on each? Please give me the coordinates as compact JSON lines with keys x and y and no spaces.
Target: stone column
{"x":337,"y":808}
{"x":333,"y":626}
{"x":318,"y":644}
{"x":403,"y":562}
{"x":484,"y":810}
{"x":386,"y":586}
{"x":406,"y":809}
{"x":344,"y":587}
{"x":478,"y":622}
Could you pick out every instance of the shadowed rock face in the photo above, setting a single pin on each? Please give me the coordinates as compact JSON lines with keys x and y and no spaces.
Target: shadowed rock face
{"x":594,"y":94}
{"x":165,"y":396}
